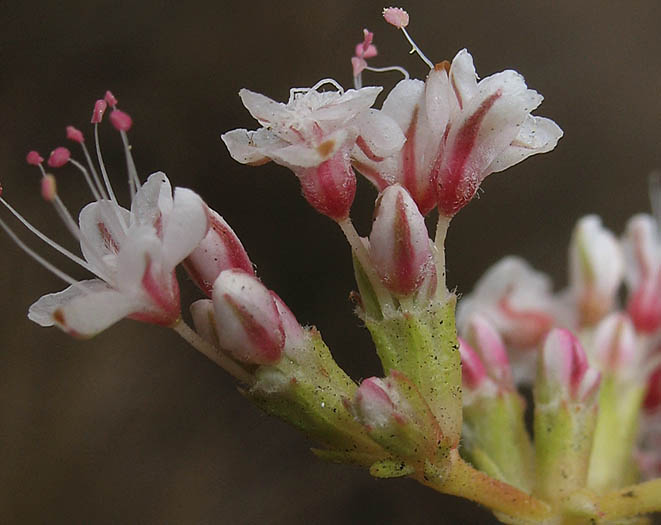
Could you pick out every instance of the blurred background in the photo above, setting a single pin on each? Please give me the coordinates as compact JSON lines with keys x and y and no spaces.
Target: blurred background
{"x":136,"y":427}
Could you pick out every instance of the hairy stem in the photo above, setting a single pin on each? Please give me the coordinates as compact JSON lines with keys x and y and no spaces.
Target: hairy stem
{"x":633,"y":500}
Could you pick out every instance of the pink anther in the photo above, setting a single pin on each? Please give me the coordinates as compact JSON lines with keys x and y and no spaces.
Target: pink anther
{"x":366,"y":49}
{"x":99,"y":109}
{"x":48,"y":188}
{"x":110,"y":99}
{"x":33,"y":158}
{"x":396,"y":16}
{"x":75,"y":134}
{"x":59,"y":157}
{"x":120,"y":120}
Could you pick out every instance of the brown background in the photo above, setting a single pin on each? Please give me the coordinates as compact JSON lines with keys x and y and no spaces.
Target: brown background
{"x":136,"y":427}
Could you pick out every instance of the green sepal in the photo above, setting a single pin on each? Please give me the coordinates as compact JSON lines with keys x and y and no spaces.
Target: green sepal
{"x":422,"y":343}
{"x":391,"y":468}
{"x":369,"y":301}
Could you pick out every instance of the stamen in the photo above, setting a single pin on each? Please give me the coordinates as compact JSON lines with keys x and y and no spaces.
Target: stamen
{"x":104,"y":173}
{"x":88,"y":179}
{"x":59,"y":273}
{"x":59,"y":157}
{"x":330,"y":81}
{"x":48,"y":188}
{"x":92,"y":170}
{"x":389,"y":68}
{"x":75,"y":134}
{"x":400,"y":19}
{"x":72,"y":256}
{"x":110,"y":99}
{"x":33,"y":158}
{"x":98,"y":111}
{"x":120,"y":120}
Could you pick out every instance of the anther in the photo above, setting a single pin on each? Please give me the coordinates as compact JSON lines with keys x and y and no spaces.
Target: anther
{"x":396,"y":16}
{"x":120,"y":120}
{"x":33,"y":158}
{"x":99,"y":109}
{"x":110,"y":99}
{"x":75,"y":134}
{"x":59,"y":157}
{"x":48,"y":188}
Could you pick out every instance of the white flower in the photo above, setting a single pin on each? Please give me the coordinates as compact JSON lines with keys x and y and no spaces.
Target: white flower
{"x":133,"y":255}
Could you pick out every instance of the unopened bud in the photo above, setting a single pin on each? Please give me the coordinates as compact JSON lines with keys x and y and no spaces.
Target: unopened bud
{"x":204,"y":320}
{"x":644,"y":304}
{"x":396,"y":16}
{"x":596,"y":268}
{"x":399,"y":243}
{"x":59,"y":157}
{"x":485,"y":340}
{"x":121,"y":120}
{"x":220,"y":250}
{"x":615,"y":345}
{"x":330,"y":187}
{"x":473,"y":373}
{"x":564,"y":371}
{"x":373,"y":406}
{"x":294,"y":333}
{"x":249,"y":325}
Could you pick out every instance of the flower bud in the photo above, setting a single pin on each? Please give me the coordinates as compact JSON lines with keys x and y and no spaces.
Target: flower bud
{"x":204,"y":320}
{"x":564,"y":371}
{"x":294,"y":333}
{"x":596,"y":268}
{"x":248,"y":322}
{"x":615,"y":345}
{"x":473,"y":373}
{"x":330,"y":187}
{"x":373,"y":405}
{"x":644,"y":305}
{"x":220,"y":250}
{"x":487,"y":343}
{"x":653,"y":397}
{"x":399,"y":242}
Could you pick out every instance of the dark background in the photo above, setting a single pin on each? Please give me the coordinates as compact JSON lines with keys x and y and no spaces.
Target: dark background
{"x":134,"y":426}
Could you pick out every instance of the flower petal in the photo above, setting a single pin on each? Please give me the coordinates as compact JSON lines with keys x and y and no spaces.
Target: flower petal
{"x":380,"y":133}
{"x":402,"y":101}
{"x":153,"y":199}
{"x":184,"y":227}
{"x":348,"y":105}
{"x":83,"y":310}
{"x":262,"y":108}
{"x":463,"y":77}
{"x":251,"y":147}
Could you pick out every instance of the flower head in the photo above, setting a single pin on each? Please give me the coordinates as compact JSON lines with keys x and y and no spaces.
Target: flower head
{"x":132,"y":253}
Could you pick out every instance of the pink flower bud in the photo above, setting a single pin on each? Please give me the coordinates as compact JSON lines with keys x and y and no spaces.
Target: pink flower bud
{"x":220,"y":250}
{"x":75,"y":134}
{"x":59,"y":157}
{"x":615,"y":345}
{"x":486,"y":341}
{"x":564,"y":367}
{"x":99,"y":109}
{"x":596,"y":267}
{"x":249,"y":325}
{"x":399,"y":243}
{"x":204,"y":320}
{"x":110,"y":99}
{"x":373,"y":406}
{"x":33,"y":158}
{"x":473,"y":373}
{"x":644,"y":305}
{"x":294,"y":333}
{"x":330,"y":187}
{"x":396,"y":16}
{"x":120,"y":120}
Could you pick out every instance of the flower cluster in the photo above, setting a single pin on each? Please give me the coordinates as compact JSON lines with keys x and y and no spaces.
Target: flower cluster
{"x":446,"y":410}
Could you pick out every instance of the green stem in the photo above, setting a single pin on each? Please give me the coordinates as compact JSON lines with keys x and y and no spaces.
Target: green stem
{"x":463,"y":480}
{"x":643,"y":498}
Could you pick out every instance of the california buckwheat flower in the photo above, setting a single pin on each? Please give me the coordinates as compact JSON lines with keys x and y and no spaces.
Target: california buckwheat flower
{"x":313,"y":135}
{"x":132,"y":253}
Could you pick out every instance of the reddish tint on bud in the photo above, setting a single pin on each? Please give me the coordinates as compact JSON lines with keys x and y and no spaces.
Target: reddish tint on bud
{"x":399,"y":242}
{"x":75,"y":134}
{"x":615,"y":344}
{"x":48,"y":188}
{"x":644,"y":305}
{"x":373,"y":405}
{"x":249,"y":325}
{"x":110,"y":99}
{"x":653,"y":397}
{"x":59,"y":157}
{"x":396,"y":16}
{"x":487,"y":343}
{"x":564,"y":367}
{"x":120,"y":120}
{"x":220,"y":250}
{"x":294,"y":334}
{"x":33,"y":158}
{"x":473,"y":373}
{"x":98,"y":111}
{"x":330,"y":187}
